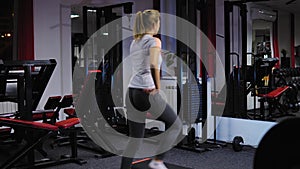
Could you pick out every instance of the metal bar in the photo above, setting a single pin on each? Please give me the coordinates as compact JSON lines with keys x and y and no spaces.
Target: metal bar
{"x":244,"y":59}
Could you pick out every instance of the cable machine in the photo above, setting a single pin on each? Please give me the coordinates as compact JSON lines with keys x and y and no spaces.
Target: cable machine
{"x":188,"y":10}
{"x":107,"y":62}
{"x":236,"y":102}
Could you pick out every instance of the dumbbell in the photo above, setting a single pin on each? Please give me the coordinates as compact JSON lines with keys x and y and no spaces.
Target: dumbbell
{"x":276,"y":72}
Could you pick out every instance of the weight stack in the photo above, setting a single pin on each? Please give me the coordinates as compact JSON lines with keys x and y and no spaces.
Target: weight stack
{"x":192,"y":102}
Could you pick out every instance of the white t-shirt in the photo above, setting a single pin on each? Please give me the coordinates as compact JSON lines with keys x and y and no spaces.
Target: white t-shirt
{"x":140,"y":61}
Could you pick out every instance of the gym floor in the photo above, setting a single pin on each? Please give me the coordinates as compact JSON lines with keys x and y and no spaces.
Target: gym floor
{"x":219,"y":158}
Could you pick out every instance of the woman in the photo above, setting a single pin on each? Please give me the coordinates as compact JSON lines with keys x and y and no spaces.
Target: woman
{"x":144,"y":89}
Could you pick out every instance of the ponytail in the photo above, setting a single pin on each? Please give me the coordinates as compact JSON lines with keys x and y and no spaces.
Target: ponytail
{"x":144,"y":22}
{"x":139,"y":28}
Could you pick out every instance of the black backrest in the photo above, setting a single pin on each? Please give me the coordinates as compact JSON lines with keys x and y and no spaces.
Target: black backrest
{"x":52,"y":102}
{"x":67,"y":101}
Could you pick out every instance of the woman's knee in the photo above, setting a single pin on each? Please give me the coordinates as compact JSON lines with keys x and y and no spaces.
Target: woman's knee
{"x":178,"y":124}
{"x":175,"y":126}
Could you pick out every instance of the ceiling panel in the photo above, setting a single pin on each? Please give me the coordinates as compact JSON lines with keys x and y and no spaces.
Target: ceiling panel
{"x":283,"y":5}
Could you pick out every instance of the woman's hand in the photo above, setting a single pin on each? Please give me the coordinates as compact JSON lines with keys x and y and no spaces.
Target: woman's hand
{"x":154,"y":92}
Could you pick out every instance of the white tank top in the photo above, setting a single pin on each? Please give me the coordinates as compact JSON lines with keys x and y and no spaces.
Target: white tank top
{"x":140,"y":61}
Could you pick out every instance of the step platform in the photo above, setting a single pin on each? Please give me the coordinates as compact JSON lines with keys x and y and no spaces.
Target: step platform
{"x":143,"y":164}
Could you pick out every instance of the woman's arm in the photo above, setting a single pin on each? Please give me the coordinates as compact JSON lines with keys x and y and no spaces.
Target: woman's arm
{"x":154,"y":63}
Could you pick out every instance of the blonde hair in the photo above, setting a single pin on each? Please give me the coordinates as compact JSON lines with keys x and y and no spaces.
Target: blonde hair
{"x":144,"y":22}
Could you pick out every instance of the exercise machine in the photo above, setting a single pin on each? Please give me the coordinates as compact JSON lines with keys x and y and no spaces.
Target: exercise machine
{"x":31,"y":78}
{"x":24,"y":82}
{"x":106,"y":60}
{"x":37,"y":133}
{"x":194,"y":92}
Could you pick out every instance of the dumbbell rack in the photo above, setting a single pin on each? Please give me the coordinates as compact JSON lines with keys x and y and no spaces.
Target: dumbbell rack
{"x":289,"y":77}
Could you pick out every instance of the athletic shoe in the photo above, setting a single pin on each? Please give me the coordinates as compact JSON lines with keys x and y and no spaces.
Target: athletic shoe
{"x":157,"y":165}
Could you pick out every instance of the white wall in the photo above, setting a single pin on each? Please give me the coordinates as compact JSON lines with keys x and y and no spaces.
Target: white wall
{"x":220,"y":45}
{"x":252,"y":131}
{"x":297,"y":29}
{"x":52,"y":39}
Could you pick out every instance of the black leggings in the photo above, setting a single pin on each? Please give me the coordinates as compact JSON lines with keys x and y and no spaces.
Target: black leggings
{"x":138,"y":103}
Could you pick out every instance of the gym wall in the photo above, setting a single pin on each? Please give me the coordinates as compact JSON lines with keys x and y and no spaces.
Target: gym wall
{"x":284,"y":32}
{"x":220,"y":46}
{"x":297,"y":30}
{"x":52,"y":39}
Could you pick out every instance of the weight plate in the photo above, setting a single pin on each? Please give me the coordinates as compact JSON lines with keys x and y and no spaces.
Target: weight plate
{"x":237,"y":143}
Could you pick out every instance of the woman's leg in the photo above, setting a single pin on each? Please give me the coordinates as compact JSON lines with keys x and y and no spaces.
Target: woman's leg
{"x":136,"y":130}
{"x":137,"y":103}
{"x":170,"y":118}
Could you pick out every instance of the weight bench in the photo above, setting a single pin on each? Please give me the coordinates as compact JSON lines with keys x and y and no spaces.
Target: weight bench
{"x":50,"y":111}
{"x":68,"y":108}
{"x":70,"y":112}
{"x":32,"y":143}
{"x":83,"y":140}
{"x":272,"y":98}
{"x":52,"y":108}
{"x":66,"y":103}
{"x":4,"y":130}
{"x":4,"y":133}
{"x":47,"y":115}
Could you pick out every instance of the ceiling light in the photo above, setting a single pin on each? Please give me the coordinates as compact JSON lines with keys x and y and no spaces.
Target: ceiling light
{"x":92,"y":10}
{"x":74,"y":16}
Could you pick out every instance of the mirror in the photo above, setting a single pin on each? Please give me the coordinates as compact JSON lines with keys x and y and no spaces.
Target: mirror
{"x":269,"y":41}
{"x":274,"y":33}
{"x":261,"y":38}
